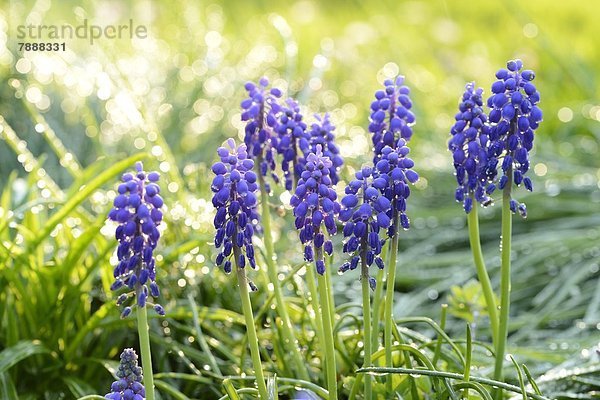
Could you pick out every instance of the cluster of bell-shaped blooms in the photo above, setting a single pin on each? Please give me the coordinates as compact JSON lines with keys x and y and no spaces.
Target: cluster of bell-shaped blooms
{"x":391,"y":116}
{"x":315,"y":206}
{"x":475,"y":172}
{"x":137,"y":210}
{"x":129,"y":385}
{"x":365,"y":211}
{"x":260,"y":112}
{"x":293,"y":140}
{"x":504,"y":138}
{"x":514,"y":117}
{"x":276,"y":128}
{"x":321,"y":134}
{"x":395,"y":173}
{"x":234,"y":188}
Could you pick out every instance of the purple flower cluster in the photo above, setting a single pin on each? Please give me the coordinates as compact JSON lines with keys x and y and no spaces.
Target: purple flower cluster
{"x":137,"y":209}
{"x":366,"y":210}
{"x":293,"y":139}
{"x":129,"y":385}
{"x":391,"y":118}
{"x":275,"y":127}
{"x":514,"y":117}
{"x":321,"y":134}
{"x":315,"y":204}
{"x":470,"y":138}
{"x":260,"y":112}
{"x":480,"y":143}
{"x":394,"y":175}
{"x":234,"y":188}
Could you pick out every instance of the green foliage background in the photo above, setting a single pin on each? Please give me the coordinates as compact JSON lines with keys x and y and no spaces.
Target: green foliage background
{"x":70,"y":120}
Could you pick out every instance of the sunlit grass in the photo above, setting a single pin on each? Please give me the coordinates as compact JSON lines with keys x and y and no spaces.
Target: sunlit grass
{"x":69,"y":117}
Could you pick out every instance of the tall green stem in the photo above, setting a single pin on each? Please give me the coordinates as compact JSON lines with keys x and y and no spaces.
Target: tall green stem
{"x":328,"y":332}
{"x":330,"y":287}
{"x":389,"y":300}
{"x":289,"y":338}
{"x":482,"y":274}
{"x":311,"y":280}
{"x":504,"y":281}
{"x":467,"y":372}
{"x":366,"y":300}
{"x":377,"y":298}
{"x":250,"y":328}
{"x":142,"y":322}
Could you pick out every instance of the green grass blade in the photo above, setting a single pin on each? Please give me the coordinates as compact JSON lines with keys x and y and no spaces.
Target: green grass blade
{"x":170,"y":389}
{"x":7,"y":388}
{"x":20,"y":351}
{"x":272,"y":387}
{"x":230,"y":389}
{"x":78,"y":387}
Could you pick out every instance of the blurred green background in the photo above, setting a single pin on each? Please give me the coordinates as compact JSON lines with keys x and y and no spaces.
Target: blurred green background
{"x":68,"y":116}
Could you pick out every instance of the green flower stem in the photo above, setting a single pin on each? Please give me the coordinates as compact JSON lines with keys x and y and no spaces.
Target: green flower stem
{"x":377,"y":297}
{"x":482,"y":274}
{"x":504,"y":281}
{"x":250,"y":328}
{"x":328,"y":272}
{"x":389,"y":299}
{"x":311,"y":279}
{"x":328,"y":332}
{"x":142,"y":323}
{"x":366,"y":300}
{"x":467,"y":372}
{"x":289,"y":338}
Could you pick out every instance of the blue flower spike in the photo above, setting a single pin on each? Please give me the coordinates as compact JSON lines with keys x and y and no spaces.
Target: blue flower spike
{"x":129,"y":385}
{"x":395,"y":174}
{"x":475,"y":172}
{"x":514,"y":117}
{"x":234,"y":187}
{"x":364,"y":212}
{"x":260,"y":112}
{"x":315,"y":206}
{"x":137,"y":210}
{"x":293,"y":141}
{"x":321,"y":133}
{"x":391,"y":116}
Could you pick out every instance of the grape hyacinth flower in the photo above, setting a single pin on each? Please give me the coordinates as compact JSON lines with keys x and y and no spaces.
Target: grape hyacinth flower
{"x":315,"y":204}
{"x":234,"y":188}
{"x":293,"y":141}
{"x":394,"y":175}
{"x":129,"y":385}
{"x":475,"y":175}
{"x":514,"y":116}
{"x":468,"y":144}
{"x":260,"y":111}
{"x":391,"y":118}
{"x":365,"y":211}
{"x":137,"y":209}
{"x":321,"y":133}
